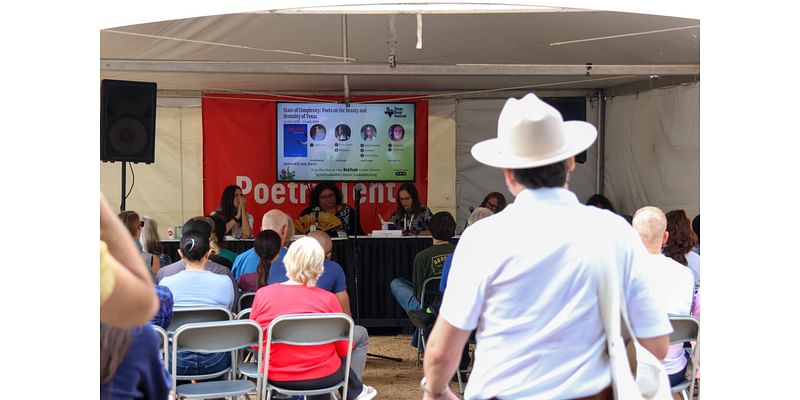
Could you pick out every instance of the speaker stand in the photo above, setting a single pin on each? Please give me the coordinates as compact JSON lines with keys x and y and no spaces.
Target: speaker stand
{"x":122,"y":197}
{"x":356,"y":268}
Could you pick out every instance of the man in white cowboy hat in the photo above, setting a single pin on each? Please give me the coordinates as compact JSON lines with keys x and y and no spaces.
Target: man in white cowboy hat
{"x":525,"y":278}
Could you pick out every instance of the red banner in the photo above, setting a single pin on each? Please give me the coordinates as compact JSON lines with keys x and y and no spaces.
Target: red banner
{"x":239,"y":149}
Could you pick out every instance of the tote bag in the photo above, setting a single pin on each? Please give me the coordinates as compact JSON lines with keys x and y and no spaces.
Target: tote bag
{"x":650,"y":380}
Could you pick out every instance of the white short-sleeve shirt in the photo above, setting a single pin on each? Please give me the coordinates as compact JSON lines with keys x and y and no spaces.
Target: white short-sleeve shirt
{"x":523,"y":278}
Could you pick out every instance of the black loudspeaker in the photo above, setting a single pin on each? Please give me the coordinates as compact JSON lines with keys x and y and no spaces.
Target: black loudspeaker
{"x":127,"y":121}
{"x":571,"y":109}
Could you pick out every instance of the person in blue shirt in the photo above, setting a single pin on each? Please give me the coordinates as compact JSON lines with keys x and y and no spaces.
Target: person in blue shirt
{"x":131,"y":365}
{"x":279,"y":222}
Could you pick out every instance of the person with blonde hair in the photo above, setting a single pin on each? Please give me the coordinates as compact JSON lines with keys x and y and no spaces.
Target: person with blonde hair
{"x":151,"y":241}
{"x":671,"y":283}
{"x":135,"y":224}
{"x":305,"y":367}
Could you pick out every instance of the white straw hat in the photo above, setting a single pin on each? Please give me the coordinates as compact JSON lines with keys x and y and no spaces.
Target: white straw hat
{"x":532,"y":133}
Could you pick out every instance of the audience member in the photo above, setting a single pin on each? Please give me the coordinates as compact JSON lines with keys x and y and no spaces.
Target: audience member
{"x":275,"y":220}
{"x":195,"y":286}
{"x":233,"y":210}
{"x":410,"y":214}
{"x":494,"y":202}
{"x":681,"y":242}
{"x":127,"y":297}
{"x":477,"y":214}
{"x":267,"y":246}
{"x":165,"y":303}
{"x":327,"y":198}
{"x":307,"y":366}
{"x":151,"y":242}
{"x":600,"y":201}
{"x":200,"y":224}
{"x":131,"y":365}
{"x":427,"y":263}
{"x":525,"y":278}
{"x":334,"y":281}
{"x":696,"y":229}
{"x":135,"y":224}
{"x":671,"y":283}
{"x":219,"y":240}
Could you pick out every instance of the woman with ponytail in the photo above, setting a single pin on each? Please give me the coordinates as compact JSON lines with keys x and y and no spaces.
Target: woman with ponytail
{"x":267,"y":246}
{"x":197,"y":287}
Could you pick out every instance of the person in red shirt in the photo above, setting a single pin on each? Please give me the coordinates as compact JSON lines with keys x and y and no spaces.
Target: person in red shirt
{"x":308,"y":366}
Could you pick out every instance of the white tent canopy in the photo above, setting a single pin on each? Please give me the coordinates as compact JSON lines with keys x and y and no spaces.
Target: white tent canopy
{"x":466,"y":58}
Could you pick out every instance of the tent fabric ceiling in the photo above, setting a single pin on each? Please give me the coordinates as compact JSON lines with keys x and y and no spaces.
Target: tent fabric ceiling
{"x":460,"y":52}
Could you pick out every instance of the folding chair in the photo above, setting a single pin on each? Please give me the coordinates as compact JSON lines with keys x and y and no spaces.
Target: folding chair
{"x":308,"y":330}
{"x":421,"y":326}
{"x":686,"y":328}
{"x":246,"y":300}
{"x":164,"y":344}
{"x":246,"y":366}
{"x":184,"y":315}
{"x":215,"y":337}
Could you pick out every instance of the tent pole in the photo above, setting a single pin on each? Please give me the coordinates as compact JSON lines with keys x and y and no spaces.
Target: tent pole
{"x":601,"y":142}
{"x":344,"y":54}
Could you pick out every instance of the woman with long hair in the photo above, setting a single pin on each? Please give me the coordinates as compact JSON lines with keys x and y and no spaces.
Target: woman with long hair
{"x":233,"y":209}
{"x":267,"y":246}
{"x":411,"y":216}
{"x":134,"y":223}
{"x":305,"y":367}
{"x":131,"y":365}
{"x":494,"y":202}
{"x":151,"y":242}
{"x":681,"y":241}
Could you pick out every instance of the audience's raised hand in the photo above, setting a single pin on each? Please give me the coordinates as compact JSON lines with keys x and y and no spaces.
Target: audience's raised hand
{"x":132,"y":300}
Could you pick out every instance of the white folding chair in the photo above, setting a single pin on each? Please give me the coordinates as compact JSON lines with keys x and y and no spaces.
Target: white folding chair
{"x":686,"y":328}
{"x":308,"y":330}
{"x":216,"y":337}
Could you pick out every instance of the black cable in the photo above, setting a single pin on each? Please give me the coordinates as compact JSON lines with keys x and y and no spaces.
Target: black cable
{"x":133,"y":180}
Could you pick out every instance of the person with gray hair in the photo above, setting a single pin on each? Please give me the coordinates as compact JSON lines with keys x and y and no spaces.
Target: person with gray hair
{"x":305,"y":367}
{"x":670,"y":281}
{"x":334,"y":281}
{"x":526,"y":278}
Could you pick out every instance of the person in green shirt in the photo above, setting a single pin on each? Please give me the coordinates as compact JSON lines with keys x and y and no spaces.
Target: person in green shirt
{"x":427,"y":263}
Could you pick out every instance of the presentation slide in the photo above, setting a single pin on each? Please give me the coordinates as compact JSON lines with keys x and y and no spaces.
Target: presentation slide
{"x":337,"y":142}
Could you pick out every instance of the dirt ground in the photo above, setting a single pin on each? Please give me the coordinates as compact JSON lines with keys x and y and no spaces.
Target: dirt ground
{"x":395,"y":380}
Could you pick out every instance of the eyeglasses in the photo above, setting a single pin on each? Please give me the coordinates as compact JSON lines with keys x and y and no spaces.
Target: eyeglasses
{"x":141,"y":224}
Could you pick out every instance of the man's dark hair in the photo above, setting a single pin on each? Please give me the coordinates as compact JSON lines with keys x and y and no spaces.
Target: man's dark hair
{"x":696,"y":226}
{"x":442,"y":226}
{"x":551,"y":175}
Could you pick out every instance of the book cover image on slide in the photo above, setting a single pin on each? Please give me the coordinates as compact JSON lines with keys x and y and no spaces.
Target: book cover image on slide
{"x":295,"y":140}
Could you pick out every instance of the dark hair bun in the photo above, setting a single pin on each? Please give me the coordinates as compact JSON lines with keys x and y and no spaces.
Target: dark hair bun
{"x":194,"y":245}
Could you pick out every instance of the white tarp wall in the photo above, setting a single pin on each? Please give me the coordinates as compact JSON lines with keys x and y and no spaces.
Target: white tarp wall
{"x":652,"y":155}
